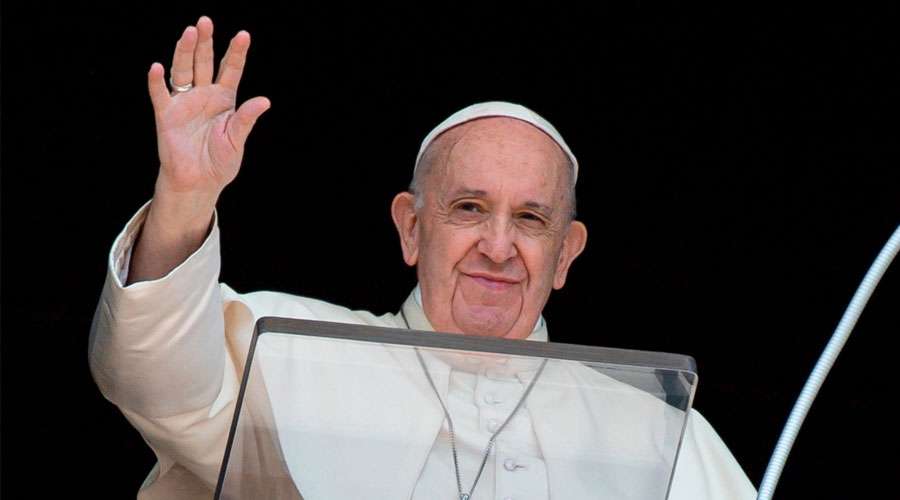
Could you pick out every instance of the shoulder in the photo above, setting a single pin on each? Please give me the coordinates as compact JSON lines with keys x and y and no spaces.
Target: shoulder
{"x":706,"y":467}
{"x":268,"y":303}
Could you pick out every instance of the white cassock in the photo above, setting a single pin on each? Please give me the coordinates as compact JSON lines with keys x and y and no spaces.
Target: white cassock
{"x":170,"y":353}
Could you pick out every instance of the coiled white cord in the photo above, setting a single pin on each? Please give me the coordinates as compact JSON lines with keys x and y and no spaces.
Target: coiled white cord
{"x":823,"y":366}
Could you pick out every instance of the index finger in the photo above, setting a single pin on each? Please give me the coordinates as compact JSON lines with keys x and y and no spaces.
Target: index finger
{"x":232,"y":66}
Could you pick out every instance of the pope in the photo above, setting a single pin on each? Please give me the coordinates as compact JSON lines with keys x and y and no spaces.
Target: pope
{"x":488,"y":223}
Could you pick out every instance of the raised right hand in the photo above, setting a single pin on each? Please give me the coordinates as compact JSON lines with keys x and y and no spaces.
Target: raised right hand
{"x":200,"y":135}
{"x":201,"y":139}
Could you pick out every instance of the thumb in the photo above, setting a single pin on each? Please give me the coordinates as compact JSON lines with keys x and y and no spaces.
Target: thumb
{"x":241,"y":122}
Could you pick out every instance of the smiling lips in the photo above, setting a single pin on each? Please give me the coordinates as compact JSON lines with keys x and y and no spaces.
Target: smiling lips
{"x":491,"y":282}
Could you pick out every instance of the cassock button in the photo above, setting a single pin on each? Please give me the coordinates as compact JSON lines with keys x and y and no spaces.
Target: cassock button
{"x":492,"y":399}
{"x":511,"y":465}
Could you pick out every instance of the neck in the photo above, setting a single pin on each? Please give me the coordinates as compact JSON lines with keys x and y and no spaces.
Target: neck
{"x":416,"y":318}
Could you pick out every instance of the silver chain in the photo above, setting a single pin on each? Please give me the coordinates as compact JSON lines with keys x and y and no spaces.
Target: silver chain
{"x":491,"y":441}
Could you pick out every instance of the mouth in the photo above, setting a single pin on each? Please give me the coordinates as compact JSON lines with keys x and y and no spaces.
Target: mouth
{"x":492,"y":282}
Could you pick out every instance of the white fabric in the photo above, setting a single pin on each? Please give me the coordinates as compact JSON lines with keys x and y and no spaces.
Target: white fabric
{"x":498,"y":108}
{"x":478,"y":402}
{"x":170,"y":353}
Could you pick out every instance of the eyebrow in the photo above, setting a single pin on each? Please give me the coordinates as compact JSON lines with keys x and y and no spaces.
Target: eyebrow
{"x":480,"y":193}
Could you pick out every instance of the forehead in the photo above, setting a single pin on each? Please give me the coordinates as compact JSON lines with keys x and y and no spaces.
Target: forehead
{"x":503,"y":154}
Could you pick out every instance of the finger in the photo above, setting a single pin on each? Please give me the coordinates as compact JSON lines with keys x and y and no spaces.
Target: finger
{"x":183,"y":60}
{"x":241,"y":122}
{"x":156,"y":82}
{"x":233,"y":63}
{"x":203,"y":56}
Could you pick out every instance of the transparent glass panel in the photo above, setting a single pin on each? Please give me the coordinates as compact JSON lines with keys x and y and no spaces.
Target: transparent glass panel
{"x":335,"y":411}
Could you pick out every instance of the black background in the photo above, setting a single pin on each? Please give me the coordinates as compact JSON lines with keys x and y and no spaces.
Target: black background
{"x":739,"y":174}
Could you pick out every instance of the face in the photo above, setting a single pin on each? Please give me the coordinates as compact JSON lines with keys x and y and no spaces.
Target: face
{"x":493,"y":235}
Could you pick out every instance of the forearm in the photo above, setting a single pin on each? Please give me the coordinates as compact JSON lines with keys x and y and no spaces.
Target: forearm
{"x":175,"y":227}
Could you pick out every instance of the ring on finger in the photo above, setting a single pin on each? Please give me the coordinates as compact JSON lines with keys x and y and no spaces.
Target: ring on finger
{"x":180,"y":88}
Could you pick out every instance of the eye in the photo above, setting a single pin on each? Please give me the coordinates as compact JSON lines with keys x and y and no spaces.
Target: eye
{"x":468,"y":206}
{"x":531,"y":217}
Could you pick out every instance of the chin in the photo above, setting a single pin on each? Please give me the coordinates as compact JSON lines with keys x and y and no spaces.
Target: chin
{"x":486,"y":322}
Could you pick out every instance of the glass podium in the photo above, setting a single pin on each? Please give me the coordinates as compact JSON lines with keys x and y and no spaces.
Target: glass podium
{"x":339,"y":411}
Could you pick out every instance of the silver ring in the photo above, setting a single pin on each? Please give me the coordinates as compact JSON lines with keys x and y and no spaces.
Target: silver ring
{"x":180,"y":88}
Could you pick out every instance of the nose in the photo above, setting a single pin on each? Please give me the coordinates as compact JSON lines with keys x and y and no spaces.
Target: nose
{"x":498,"y":242}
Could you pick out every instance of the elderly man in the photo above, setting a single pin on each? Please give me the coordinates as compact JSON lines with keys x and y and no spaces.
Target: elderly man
{"x":488,"y":225}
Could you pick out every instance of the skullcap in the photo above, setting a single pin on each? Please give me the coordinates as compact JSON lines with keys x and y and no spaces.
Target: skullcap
{"x":498,"y":108}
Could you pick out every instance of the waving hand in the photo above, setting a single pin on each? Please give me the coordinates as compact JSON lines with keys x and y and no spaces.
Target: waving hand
{"x":200,"y":136}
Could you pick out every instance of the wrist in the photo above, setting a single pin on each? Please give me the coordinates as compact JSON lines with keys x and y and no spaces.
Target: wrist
{"x":181,"y":215}
{"x":183,"y":207}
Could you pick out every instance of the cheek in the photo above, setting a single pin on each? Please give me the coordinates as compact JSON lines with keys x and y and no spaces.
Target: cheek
{"x":445,"y":248}
{"x":541,"y":263}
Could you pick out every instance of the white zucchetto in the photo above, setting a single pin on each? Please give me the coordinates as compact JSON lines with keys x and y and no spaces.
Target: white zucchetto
{"x":498,"y":108}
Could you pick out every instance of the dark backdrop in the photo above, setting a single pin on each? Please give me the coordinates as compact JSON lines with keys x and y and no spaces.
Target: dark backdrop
{"x":739,"y":174}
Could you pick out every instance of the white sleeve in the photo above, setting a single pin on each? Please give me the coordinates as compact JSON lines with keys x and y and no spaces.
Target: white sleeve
{"x":706,"y":469}
{"x":158,"y":351}
{"x":157,"y":347}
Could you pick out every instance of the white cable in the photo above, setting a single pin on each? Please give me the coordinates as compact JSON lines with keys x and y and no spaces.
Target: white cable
{"x":823,"y":366}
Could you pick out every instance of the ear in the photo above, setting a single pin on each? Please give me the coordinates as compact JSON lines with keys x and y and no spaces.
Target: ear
{"x":573,"y":245}
{"x":403,"y":211}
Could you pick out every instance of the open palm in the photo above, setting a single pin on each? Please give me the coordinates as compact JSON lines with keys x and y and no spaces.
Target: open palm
{"x":200,"y":134}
